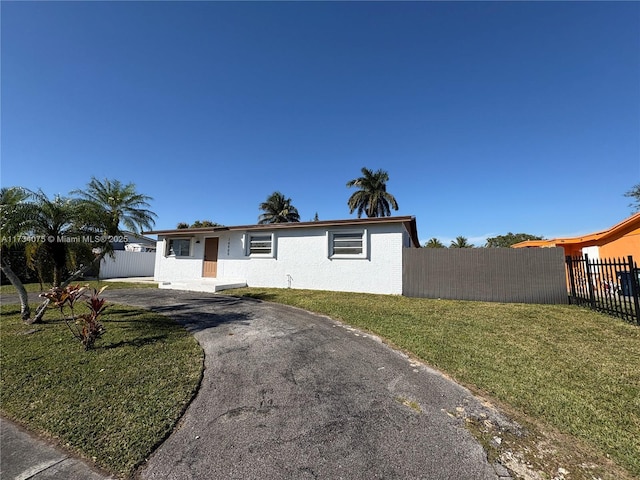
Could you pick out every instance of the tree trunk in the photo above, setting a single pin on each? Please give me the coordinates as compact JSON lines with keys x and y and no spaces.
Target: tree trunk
{"x":25,"y":310}
{"x":57,"y":275}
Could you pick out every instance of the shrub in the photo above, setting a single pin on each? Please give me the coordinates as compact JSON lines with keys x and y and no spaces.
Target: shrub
{"x":85,"y":327}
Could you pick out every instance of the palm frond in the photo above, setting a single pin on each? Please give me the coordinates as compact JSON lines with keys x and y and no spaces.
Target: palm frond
{"x":372,"y":197}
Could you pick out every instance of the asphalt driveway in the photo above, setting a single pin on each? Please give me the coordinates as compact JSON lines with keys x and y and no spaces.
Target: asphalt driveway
{"x":288,"y":394}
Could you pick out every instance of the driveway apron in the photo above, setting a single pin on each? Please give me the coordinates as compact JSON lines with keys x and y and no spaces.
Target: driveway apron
{"x":288,"y":394}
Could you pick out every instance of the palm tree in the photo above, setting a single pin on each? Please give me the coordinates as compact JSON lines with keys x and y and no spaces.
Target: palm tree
{"x":434,"y":243}
{"x":15,"y":215}
{"x":461,"y":242}
{"x":372,"y":198}
{"x":60,"y":222}
{"x":102,"y":207}
{"x":118,"y":206}
{"x":278,"y":209}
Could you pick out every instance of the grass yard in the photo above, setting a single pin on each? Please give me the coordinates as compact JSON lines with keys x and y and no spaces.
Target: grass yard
{"x":113,"y":404}
{"x":97,"y":284}
{"x":568,"y":371}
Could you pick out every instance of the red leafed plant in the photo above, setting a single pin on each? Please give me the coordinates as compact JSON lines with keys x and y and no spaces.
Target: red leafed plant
{"x":86,"y":327}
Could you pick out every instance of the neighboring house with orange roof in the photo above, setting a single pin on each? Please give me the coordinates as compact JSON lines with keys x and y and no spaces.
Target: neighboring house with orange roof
{"x":619,"y":241}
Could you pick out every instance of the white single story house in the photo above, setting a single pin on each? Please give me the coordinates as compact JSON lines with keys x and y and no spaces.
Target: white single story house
{"x":355,"y":255}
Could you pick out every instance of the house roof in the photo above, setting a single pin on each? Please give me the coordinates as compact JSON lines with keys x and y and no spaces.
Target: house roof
{"x":626,"y":226}
{"x":138,"y":238}
{"x":409,"y":223}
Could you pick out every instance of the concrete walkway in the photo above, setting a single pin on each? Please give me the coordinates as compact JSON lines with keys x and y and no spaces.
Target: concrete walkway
{"x":25,"y":456}
{"x":287,"y":394}
{"x":131,"y":280}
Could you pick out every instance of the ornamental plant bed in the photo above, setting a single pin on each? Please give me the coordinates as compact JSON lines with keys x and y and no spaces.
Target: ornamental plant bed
{"x":113,"y":404}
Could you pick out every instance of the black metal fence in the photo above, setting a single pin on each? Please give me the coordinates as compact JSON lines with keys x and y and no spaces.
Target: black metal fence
{"x":607,"y":285}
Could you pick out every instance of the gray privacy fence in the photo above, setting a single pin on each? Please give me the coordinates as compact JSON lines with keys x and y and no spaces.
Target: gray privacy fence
{"x":526,"y":275}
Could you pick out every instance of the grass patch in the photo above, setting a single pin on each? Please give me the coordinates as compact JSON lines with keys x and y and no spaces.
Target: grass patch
{"x":113,"y":404}
{"x":97,"y":284}
{"x":565,"y":367}
{"x":412,"y":404}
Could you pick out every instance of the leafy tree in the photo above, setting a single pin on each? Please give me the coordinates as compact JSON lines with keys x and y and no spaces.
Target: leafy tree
{"x":505,"y":241}
{"x":434,"y":243}
{"x":372,"y":197}
{"x":15,"y":216}
{"x":634,"y":193}
{"x":461,"y":242}
{"x":198,"y":224}
{"x":204,"y":223}
{"x":278,"y":209}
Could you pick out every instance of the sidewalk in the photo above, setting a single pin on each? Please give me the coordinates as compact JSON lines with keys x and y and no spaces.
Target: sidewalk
{"x":25,"y":456}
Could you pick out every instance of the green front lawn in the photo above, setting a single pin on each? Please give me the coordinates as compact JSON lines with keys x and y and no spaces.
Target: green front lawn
{"x":571,"y":376}
{"x":113,"y":404}
{"x":97,"y":284}
{"x":567,"y":369}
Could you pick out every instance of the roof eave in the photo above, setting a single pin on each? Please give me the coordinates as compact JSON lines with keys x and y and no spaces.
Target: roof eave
{"x":291,"y":225}
{"x":618,"y":230}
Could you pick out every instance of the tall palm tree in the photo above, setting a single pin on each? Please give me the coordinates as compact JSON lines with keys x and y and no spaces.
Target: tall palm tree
{"x":118,"y":206}
{"x":372,"y":197}
{"x":434,"y":243}
{"x":278,"y":209}
{"x":461,"y":242}
{"x":15,"y":215}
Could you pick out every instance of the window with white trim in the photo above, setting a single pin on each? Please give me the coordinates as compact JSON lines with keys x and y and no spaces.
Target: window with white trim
{"x":352,"y":244}
{"x":179,"y":247}
{"x":259,"y":244}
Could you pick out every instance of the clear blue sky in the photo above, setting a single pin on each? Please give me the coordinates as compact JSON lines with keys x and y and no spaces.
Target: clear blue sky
{"x":490,"y":117}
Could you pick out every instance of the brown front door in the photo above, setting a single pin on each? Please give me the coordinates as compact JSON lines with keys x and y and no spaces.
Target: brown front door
{"x":210,"y":267}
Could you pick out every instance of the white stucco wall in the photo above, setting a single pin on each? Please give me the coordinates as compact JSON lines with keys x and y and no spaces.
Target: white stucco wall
{"x":301,"y":260}
{"x":593,"y":252}
{"x":175,"y":269}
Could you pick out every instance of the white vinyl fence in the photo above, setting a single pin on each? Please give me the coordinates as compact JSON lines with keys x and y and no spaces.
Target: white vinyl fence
{"x":128,"y":264}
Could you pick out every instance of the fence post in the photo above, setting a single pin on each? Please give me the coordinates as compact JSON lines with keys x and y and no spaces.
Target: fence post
{"x":635,"y":289}
{"x":572,"y":280}
{"x":592,"y":296}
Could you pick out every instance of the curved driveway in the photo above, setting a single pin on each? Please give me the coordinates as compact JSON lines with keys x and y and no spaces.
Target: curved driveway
{"x":288,"y":394}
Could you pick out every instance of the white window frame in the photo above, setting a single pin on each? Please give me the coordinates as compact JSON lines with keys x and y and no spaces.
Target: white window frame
{"x":331,"y":236}
{"x":247,"y":244}
{"x":168,"y":247}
